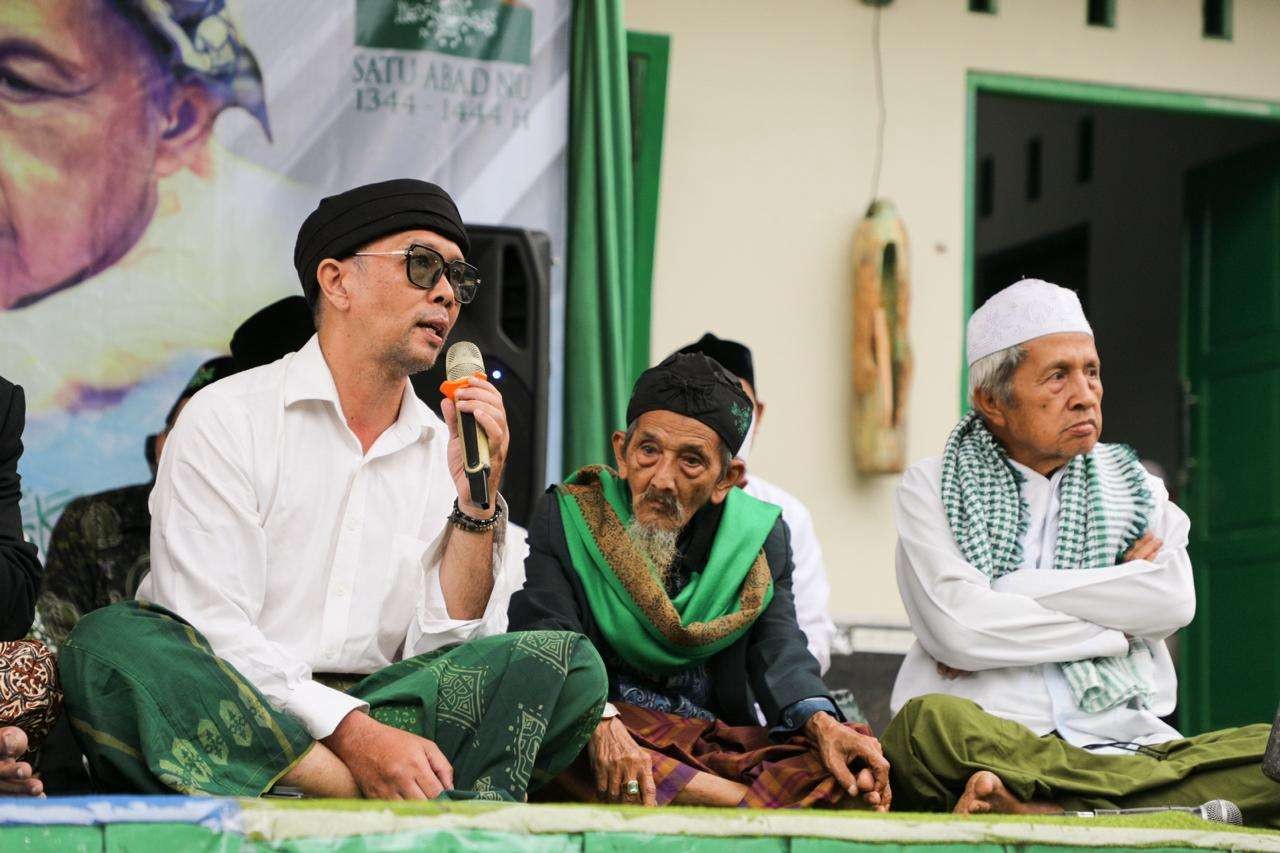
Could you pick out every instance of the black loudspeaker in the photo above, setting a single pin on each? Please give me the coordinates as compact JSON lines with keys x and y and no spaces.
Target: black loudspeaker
{"x":509,"y":321}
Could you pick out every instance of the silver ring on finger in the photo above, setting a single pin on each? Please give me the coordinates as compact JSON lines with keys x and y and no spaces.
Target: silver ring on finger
{"x":633,"y":788}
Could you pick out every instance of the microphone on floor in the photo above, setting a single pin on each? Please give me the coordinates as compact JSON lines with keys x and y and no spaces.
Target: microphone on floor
{"x":1219,"y":811}
{"x":1271,"y":758}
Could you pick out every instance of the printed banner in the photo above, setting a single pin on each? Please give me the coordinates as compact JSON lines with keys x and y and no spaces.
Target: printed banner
{"x":157,"y":157}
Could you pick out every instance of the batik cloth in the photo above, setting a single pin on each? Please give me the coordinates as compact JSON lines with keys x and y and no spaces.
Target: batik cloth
{"x":30,"y":697}
{"x":936,"y":743}
{"x":1106,"y":507}
{"x":777,"y":775}
{"x":686,"y":693}
{"x":155,"y":710}
{"x":99,"y":551}
{"x":650,"y":629}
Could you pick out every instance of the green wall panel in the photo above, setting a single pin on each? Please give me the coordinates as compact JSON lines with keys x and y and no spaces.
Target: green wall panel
{"x":827,"y":845}
{"x":435,"y":840}
{"x":166,"y":838}
{"x":56,"y":839}
{"x":616,"y":842}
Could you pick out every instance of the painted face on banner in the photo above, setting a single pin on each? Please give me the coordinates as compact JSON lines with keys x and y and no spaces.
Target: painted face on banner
{"x":80,"y":143}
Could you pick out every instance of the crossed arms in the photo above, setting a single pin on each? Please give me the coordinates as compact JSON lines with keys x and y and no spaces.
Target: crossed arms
{"x":1033,"y":616}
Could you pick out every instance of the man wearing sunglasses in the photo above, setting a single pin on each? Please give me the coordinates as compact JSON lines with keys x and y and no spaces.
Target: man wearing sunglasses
{"x":314,"y":552}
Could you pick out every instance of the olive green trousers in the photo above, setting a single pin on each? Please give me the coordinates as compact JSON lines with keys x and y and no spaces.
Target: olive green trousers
{"x":936,"y":743}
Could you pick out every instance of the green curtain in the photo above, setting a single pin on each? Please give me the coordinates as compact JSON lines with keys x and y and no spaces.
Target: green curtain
{"x":599,"y":350}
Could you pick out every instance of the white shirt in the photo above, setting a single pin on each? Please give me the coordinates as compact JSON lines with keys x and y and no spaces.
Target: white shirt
{"x":809,"y":578}
{"x":1012,"y":634}
{"x":295,"y":552}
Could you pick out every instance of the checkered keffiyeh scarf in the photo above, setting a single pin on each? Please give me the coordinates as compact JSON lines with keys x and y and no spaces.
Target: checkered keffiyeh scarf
{"x":1106,"y":506}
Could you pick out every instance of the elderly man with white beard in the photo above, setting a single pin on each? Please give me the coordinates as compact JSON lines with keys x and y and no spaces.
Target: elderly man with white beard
{"x":1042,"y":571}
{"x":683,"y":583}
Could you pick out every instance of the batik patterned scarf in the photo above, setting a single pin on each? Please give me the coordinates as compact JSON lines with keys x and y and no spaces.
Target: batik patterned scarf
{"x":1106,"y":506}
{"x":649,"y":630}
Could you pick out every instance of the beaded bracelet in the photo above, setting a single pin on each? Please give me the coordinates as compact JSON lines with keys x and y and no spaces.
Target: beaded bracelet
{"x":462,"y":521}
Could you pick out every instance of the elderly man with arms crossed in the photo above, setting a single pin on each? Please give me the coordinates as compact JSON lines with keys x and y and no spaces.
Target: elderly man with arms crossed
{"x":1042,"y":572}
{"x":314,"y":552}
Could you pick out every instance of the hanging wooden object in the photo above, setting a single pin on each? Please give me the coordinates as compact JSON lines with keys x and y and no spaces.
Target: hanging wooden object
{"x":881,"y":350}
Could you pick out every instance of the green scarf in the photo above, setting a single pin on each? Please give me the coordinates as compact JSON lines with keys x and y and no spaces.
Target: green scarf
{"x":1106,"y":506}
{"x":650,"y":631}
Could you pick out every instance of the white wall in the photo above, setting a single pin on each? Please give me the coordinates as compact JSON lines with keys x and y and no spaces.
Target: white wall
{"x":770,"y":131}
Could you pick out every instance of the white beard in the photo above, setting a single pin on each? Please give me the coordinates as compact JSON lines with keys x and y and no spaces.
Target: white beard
{"x":657,"y":544}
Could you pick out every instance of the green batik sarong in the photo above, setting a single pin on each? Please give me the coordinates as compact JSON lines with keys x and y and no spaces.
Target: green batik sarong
{"x":937,"y":742}
{"x":156,"y":711}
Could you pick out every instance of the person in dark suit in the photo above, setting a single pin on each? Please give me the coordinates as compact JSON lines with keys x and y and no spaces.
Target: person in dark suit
{"x":19,"y":568}
{"x":29,"y":695}
{"x":683,"y":584}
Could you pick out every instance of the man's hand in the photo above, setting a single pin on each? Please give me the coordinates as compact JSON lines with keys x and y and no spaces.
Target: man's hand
{"x":481,"y":399}
{"x":950,"y":672}
{"x":16,"y":777}
{"x":387,"y":763}
{"x":617,"y":760}
{"x":840,"y":748}
{"x":1146,"y":548}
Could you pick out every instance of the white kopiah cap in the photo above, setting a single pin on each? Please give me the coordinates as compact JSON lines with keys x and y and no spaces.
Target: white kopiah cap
{"x":1021,"y":312}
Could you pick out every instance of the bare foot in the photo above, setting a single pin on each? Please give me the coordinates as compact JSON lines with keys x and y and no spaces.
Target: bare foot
{"x":985,"y":793}
{"x":16,"y":777}
{"x":705,"y":789}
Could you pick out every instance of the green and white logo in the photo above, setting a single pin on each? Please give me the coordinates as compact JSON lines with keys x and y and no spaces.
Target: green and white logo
{"x":499,"y":30}
{"x":741,"y":417}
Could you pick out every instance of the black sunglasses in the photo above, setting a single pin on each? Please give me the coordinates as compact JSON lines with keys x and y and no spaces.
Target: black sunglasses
{"x":424,"y":266}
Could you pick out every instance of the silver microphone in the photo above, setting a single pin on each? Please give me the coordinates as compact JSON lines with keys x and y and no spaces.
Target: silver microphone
{"x":1271,"y":758}
{"x":1219,"y":811}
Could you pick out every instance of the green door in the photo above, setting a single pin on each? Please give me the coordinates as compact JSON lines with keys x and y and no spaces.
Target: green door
{"x":1230,"y":661}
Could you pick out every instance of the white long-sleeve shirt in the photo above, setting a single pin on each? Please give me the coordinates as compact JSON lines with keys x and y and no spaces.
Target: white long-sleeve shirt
{"x":1011,"y":635}
{"x":809,"y":578}
{"x":295,"y":552}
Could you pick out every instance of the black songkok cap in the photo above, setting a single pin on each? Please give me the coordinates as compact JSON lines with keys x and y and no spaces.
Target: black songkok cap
{"x":343,"y":223}
{"x":733,"y":356}
{"x":696,"y":386}
{"x":272,"y":333}
{"x":206,"y":374}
